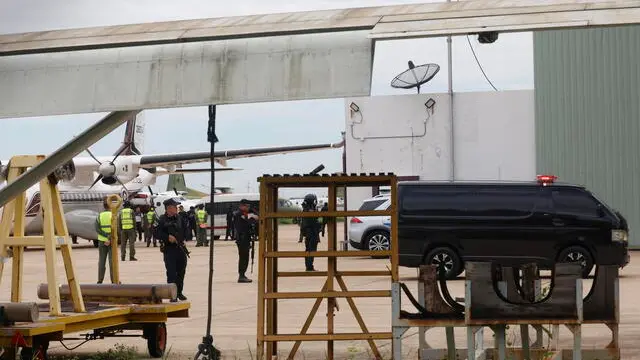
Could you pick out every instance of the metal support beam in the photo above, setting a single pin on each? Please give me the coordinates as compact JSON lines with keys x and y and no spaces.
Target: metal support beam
{"x":65,"y":153}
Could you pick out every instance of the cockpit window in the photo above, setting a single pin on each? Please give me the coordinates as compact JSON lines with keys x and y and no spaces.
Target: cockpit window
{"x":34,"y":205}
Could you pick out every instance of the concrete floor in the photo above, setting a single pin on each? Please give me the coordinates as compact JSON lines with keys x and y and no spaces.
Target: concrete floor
{"x":234,"y":321}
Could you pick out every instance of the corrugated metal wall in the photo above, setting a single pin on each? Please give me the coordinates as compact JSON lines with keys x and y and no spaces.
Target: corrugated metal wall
{"x":588,"y":113}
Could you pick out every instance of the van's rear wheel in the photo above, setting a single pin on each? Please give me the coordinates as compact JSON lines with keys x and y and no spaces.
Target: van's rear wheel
{"x":446,"y":258}
{"x":580,"y":255}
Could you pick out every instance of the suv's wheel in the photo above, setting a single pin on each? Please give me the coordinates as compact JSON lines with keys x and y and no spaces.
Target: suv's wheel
{"x":378,"y":241}
{"x":447,"y":258}
{"x":580,"y":255}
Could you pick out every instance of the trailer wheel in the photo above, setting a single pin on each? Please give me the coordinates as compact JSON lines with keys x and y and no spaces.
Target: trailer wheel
{"x":156,"y":335}
{"x":37,"y":352}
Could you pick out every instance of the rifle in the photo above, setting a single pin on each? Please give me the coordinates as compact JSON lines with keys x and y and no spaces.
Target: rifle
{"x":252,"y":237}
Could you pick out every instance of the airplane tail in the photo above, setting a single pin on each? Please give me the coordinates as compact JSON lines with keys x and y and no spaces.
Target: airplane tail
{"x":133,"y":143}
{"x":177,"y":182}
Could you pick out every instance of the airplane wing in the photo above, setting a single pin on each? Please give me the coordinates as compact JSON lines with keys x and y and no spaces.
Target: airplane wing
{"x":198,"y":157}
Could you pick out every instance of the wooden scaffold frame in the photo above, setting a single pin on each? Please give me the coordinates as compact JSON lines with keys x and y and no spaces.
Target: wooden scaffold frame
{"x":268,"y":255}
{"x":55,"y":234}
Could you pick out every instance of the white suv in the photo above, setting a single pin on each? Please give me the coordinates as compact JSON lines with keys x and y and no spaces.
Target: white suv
{"x":371,"y":232}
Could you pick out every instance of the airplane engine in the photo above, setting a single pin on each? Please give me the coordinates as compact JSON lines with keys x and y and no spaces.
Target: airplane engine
{"x":66,"y":172}
{"x":4,"y":170}
{"x":121,"y":171}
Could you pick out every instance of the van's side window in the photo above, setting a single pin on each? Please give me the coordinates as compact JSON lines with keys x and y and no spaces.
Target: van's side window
{"x":574,"y":202}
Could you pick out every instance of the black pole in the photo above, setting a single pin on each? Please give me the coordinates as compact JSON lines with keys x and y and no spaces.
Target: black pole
{"x":206,"y":350}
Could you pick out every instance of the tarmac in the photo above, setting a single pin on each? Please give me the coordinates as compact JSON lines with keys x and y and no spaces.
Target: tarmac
{"x":234,"y":305}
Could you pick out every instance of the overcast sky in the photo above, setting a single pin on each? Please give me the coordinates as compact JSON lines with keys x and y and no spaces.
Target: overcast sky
{"x":508,"y":63}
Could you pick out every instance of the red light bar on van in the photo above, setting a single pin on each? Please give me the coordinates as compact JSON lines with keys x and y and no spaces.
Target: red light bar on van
{"x":546,"y":179}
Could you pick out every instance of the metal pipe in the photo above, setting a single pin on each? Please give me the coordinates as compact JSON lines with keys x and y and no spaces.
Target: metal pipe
{"x":65,"y":153}
{"x":452,"y":171}
{"x":344,"y":201}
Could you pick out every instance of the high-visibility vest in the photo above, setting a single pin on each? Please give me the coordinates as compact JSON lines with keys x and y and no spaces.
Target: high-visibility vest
{"x":126,"y":219}
{"x":202,"y":216}
{"x":150,"y":216}
{"x":105,"y":224}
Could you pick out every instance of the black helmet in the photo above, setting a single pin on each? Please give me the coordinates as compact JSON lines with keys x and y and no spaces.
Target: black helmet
{"x":310,"y":201}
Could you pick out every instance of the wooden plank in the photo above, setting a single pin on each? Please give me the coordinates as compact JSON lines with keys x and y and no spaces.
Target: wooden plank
{"x":327,"y":254}
{"x":359,"y":319}
{"x":338,"y":273}
{"x":270,"y":287}
{"x":307,"y":323}
{"x":5,"y":229}
{"x":394,"y":231}
{"x":261,"y":275}
{"x":326,"y":294}
{"x":114,"y":204}
{"x":61,"y":230}
{"x":329,"y":337}
{"x":24,"y":161}
{"x":18,"y":251}
{"x":50,"y":248}
{"x":331,"y":265}
{"x":346,"y":213}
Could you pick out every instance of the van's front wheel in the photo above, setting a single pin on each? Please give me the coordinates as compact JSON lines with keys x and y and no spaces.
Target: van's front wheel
{"x":579,"y":255}
{"x":446,"y":258}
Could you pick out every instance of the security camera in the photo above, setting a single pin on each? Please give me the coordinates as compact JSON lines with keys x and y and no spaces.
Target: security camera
{"x":488,"y":37}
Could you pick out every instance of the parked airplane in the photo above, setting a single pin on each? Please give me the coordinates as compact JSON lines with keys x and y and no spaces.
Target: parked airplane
{"x":127,"y":173}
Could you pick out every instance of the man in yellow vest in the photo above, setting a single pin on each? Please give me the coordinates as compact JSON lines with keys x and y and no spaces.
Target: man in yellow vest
{"x":201,"y":220}
{"x":103,"y":228}
{"x":149,"y":222}
{"x":127,"y":227}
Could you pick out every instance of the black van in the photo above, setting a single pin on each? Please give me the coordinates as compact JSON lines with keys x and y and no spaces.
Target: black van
{"x":509,"y":223}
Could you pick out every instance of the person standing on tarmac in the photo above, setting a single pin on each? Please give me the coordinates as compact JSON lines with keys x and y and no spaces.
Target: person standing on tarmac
{"x":242,"y":221}
{"x":311,"y":228}
{"x":229,"y":229}
{"x":171,"y":231}
{"x":193,"y":231}
{"x":126,"y":222}
{"x":138,"y":217}
{"x":103,"y":228}
{"x":149,"y":222}
{"x":201,"y":218}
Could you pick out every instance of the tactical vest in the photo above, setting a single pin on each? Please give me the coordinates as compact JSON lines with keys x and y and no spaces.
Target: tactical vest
{"x":150,"y":216}
{"x":105,"y":224}
{"x":126,"y":219}
{"x":202,"y":216}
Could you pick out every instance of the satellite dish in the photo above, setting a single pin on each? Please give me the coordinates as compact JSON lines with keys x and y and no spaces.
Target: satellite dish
{"x":415,"y":76}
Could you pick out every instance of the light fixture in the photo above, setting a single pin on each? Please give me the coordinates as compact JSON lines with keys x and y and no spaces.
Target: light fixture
{"x":355,"y":108}
{"x":430,"y":104}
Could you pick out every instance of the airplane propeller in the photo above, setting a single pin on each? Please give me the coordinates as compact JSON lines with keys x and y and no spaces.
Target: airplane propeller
{"x":107,"y":170}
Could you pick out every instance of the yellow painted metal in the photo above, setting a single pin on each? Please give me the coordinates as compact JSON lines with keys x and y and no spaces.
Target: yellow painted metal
{"x":114,"y":201}
{"x":112,"y":316}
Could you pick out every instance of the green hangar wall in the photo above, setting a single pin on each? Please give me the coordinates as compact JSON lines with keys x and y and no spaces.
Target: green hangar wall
{"x":587,"y":94}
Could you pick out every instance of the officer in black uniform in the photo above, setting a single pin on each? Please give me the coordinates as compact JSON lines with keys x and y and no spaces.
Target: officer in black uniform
{"x":310,"y":227}
{"x":244,"y":221}
{"x":171,"y":231}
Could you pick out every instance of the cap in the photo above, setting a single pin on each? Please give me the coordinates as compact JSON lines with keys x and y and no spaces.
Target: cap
{"x":245,"y":202}
{"x":170,"y":202}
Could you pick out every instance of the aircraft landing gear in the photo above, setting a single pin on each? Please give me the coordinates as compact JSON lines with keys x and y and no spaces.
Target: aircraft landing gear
{"x":74,"y":239}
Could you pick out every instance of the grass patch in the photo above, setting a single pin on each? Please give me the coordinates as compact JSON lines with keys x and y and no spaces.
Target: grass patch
{"x":118,"y":352}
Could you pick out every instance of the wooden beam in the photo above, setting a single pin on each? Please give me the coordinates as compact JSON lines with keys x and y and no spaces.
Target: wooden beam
{"x":326,"y":294}
{"x":327,"y":254}
{"x":346,"y":213}
{"x":330,"y":337}
{"x":307,"y":323}
{"x":338,"y":273}
{"x":359,"y":318}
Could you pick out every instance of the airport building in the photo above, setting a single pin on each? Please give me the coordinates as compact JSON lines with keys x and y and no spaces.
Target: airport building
{"x":580,"y":123}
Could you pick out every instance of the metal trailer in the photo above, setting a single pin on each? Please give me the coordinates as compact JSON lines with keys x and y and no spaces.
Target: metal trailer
{"x":98,"y":322}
